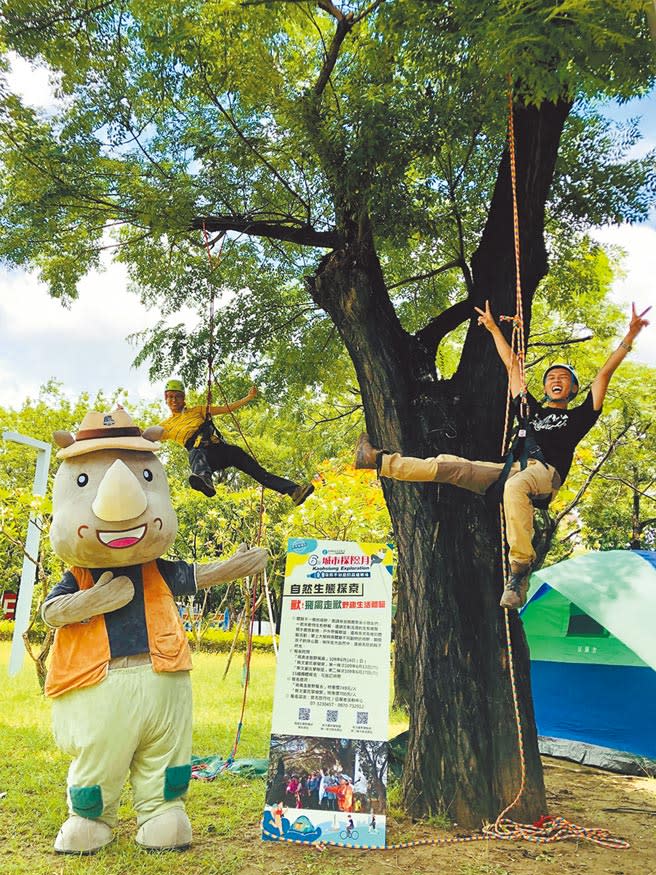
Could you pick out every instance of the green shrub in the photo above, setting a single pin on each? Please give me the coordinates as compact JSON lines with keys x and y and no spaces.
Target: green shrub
{"x":217,"y":641}
{"x":36,"y":635}
{"x":213,"y":640}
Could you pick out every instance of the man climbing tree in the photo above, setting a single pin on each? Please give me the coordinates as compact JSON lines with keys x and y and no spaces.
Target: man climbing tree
{"x":194,"y":429}
{"x":538,"y":462}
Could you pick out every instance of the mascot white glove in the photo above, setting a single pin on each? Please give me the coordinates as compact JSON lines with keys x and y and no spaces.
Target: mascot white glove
{"x":244,"y":563}
{"x":108,"y":594}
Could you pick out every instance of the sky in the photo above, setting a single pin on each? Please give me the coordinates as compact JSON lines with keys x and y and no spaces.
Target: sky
{"x":84,"y":346}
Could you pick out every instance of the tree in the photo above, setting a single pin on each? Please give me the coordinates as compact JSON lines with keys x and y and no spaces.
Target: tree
{"x":620,"y":509}
{"x":362,"y":146}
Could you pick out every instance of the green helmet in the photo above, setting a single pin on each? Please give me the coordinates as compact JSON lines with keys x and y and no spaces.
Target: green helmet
{"x":175,"y":386}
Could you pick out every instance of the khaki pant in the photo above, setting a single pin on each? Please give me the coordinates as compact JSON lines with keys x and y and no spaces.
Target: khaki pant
{"x":136,"y":722}
{"x":536,"y":481}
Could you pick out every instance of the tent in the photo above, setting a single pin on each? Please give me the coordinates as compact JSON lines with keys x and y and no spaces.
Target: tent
{"x":590,"y":624}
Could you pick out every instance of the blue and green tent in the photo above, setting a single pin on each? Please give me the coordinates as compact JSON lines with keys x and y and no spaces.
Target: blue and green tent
{"x":591,"y":628}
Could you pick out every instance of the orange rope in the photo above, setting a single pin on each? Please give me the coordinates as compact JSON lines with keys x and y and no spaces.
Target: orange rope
{"x":260,"y":526}
{"x":547,"y":829}
{"x":517,"y":343}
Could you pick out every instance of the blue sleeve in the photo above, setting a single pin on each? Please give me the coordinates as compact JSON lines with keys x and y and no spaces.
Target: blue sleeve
{"x":179,"y":576}
{"x":66,"y":586}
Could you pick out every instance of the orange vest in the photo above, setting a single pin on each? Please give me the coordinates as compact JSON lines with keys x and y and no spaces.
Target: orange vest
{"x":81,"y":653}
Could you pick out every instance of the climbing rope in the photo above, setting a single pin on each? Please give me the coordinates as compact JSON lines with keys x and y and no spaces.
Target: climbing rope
{"x":210,"y":354}
{"x":546,"y":831}
{"x":214,"y":262}
{"x":517,"y":347}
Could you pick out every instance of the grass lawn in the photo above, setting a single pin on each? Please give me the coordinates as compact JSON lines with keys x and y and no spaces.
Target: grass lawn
{"x":225,"y":813}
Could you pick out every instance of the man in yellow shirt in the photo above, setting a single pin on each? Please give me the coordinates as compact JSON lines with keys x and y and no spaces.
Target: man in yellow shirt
{"x":192,"y":428}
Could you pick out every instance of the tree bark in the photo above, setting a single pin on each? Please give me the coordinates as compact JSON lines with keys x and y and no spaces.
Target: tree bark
{"x":452,"y":661}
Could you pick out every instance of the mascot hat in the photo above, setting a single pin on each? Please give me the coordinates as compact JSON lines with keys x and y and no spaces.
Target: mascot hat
{"x":104,"y":431}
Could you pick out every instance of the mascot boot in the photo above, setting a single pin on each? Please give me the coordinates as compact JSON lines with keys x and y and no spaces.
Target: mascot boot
{"x":169,"y":831}
{"x":80,"y":835}
{"x":119,"y":666}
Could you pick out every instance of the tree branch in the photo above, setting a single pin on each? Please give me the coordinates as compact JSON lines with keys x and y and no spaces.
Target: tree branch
{"x":461,"y":233}
{"x":591,"y":475}
{"x":348,"y":412}
{"x":37,"y":23}
{"x":426,"y":276}
{"x":570,"y":535}
{"x":331,"y":9}
{"x":296,"y":232}
{"x":244,"y":139}
{"x":344,"y":25}
{"x":559,"y":343}
{"x":628,"y":484}
{"x":432,"y":334}
{"x":366,"y":12}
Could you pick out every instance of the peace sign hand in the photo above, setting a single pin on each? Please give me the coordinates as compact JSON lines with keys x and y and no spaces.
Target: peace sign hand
{"x":485,"y":317}
{"x":637,"y":322}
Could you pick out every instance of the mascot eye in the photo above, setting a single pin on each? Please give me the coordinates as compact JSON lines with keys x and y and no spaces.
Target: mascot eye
{"x":148,"y":474}
{"x":82,"y":479}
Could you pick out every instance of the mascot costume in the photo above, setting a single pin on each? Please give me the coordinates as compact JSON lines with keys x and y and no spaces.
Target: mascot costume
{"x":119,"y":670}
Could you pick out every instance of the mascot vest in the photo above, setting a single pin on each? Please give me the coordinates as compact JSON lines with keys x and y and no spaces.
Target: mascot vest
{"x":81,"y":652}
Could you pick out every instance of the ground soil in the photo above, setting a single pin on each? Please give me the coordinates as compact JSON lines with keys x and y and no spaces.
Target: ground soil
{"x":626,"y":806}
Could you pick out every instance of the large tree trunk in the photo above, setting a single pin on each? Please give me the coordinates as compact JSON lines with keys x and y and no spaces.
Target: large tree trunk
{"x":452,"y":663}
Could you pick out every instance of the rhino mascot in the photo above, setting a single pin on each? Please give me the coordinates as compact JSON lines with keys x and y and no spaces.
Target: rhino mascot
{"x":119,"y":670}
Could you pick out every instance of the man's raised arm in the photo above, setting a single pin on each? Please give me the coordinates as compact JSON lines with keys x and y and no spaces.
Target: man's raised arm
{"x":486,"y":319}
{"x":600,"y":383}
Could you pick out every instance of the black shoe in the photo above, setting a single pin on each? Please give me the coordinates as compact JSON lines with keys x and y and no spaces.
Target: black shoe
{"x":201,"y":485}
{"x":514,"y":592}
{"x":301,"y":492}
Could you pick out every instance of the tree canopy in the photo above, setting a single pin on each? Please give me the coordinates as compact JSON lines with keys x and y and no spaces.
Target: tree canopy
{"x":262,"y":119}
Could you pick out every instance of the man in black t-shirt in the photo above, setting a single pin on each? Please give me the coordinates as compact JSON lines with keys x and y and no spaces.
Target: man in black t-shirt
{"x":556,"y":430}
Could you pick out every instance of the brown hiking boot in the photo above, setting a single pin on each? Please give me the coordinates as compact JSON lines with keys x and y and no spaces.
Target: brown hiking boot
{"x":301,"y":492}
{"x":514,"y":592}
{"x":365,"y":454}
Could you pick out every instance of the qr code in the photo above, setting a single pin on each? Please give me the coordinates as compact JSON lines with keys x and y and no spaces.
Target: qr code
{"x":331,"y":715}
{"x":303,"y":713}
{"x":362,"y":718}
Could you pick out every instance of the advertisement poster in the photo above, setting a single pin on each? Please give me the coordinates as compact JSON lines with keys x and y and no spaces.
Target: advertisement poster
{"x":327,"y":778}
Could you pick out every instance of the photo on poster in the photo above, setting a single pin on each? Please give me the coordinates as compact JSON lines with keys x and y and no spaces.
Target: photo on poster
{"x":328,"y":774}
{"x":326,"y":790}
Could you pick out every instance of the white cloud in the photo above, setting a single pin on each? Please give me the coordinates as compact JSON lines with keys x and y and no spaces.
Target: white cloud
{"x":83,"y":346}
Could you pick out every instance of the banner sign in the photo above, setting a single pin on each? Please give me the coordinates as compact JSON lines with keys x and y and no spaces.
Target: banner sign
{"x":327,"y":777}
